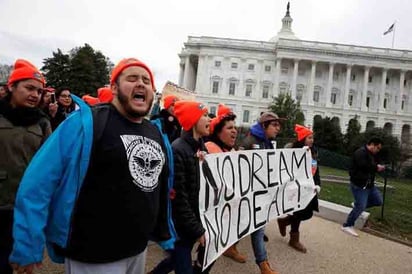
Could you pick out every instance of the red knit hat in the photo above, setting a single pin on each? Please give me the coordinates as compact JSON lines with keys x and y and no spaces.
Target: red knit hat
{"x":90,"y":100}
{"x":130,"y":62}
{"x":302,"y":132}
{"x":25,"y":70}
{"x":169,"y":101}
{"x":188,"y":113}
{"x":49,"y":89}
{"x":222,"y":111}
{"x":105,"y":95}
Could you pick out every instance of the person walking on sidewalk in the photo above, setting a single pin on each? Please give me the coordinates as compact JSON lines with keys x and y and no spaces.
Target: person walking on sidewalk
{"x":304,"y":138}
{"x":23,"y":129}
{"x":97,"y":189}
{"x":362,"y":182}
{"x":262,"y":135}
{"x":223,"y":135}
{"x":188,"y":150}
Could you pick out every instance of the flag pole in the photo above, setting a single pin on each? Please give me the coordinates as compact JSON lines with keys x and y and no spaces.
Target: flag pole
{"x":393,"y":35}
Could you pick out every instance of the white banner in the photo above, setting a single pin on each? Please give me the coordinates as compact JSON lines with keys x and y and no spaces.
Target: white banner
{"x":242,"y":191}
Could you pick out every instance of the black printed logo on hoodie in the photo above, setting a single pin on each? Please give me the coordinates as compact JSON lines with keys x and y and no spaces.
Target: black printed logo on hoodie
{"x":146,"y":160}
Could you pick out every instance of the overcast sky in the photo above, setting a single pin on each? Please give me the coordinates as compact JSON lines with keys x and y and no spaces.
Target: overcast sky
{"x":155,"y":30}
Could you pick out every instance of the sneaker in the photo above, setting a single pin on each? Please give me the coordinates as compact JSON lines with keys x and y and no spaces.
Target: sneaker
{"x":349,"y":230}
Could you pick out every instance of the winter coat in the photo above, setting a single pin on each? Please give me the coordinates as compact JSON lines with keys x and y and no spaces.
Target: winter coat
{"x":363,"y":168}
{"x":256,"y":139}
{"x":170,"y":124}
{"x":19,"y":141}
{"x":185,"y":205}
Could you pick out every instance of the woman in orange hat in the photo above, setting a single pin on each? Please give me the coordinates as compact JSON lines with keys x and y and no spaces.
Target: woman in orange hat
{"x":304,"y":138}
{"x":223,"y":136}
{"x":187,"y":151}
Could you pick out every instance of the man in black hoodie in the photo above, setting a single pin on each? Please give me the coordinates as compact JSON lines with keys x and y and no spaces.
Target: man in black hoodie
{"x":362,"y":182}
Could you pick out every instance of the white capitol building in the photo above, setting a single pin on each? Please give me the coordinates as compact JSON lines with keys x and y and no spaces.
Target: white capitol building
{"x":335,"y":80}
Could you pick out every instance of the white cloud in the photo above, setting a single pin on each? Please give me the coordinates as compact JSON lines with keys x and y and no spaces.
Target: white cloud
{"x":155,"y":30}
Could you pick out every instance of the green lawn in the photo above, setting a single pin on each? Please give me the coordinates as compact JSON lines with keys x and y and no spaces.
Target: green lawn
{"x":397,"y":220}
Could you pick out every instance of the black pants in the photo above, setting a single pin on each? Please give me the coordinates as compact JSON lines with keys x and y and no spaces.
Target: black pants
{"x":299,"y":216}
{"x":6,"y":240}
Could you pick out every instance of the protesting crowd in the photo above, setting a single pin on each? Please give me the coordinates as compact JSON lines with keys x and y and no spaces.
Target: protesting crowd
{"x":93,"y":179}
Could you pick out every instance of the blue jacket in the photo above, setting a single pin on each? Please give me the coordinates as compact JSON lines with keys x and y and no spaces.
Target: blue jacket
{"x":256,"y":139}
{"x":50,"y":186}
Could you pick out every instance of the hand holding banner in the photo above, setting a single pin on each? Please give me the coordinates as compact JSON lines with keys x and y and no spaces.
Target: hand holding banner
{"x":242,"y":191}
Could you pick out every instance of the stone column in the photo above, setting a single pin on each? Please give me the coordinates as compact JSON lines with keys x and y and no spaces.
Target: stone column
{"x":181,"y":74}
{"x":347,"y":86}
{"x":365,"y":89}
{"x":295,"y":78}
{"x":401,"y":92}
{"x":277,"y":76}
{"x":186,"y":80}
{"x":383,"y":89}
{"x":200,"y":72}
{"x":311,"y":83}
{"x":329,"y":86}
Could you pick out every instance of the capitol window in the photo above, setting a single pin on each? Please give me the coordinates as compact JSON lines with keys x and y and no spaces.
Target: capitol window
{"x":246,"y":116}
{"x":233,"y":65}
{"x":232,"y":87}
{"x":368,"y":99}
{"x":268,"y":68}
{"x":333,"y":98}
{"x":215,"y":87}
{"x":316,"y":96}
{"x":285,"y":69}
{"x":353,"y":77}
{"x":248,"y":90}
{"x":265,"y":93}
{"x":385,"y":102}
{"x":218,"y":64}
{"x":350,"y":99}
{"x":251,"y":67}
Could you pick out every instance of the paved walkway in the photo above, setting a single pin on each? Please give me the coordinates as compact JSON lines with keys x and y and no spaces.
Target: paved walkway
{"x":329,"y":251}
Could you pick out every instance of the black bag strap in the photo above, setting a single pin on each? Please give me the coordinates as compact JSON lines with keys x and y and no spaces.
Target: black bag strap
{"x":100,"y":116}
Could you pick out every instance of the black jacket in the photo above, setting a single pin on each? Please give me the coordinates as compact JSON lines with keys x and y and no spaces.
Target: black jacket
{"x":314,"y":203}
{"x":185,"y":205}
{"x":363,"y":168}
{"x":170,"y":124}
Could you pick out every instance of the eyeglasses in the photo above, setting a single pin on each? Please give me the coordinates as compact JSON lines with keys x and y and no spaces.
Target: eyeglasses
{"x":275,"y":124}
{"x":65,"y":96}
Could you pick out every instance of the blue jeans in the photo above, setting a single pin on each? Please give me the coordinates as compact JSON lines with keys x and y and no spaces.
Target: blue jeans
{"x":364,"y":198}
{"x":182,"y":257}
{"x":258,"y":245}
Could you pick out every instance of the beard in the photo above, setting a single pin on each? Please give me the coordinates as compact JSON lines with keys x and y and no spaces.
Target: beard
{"x":124,"y":101}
